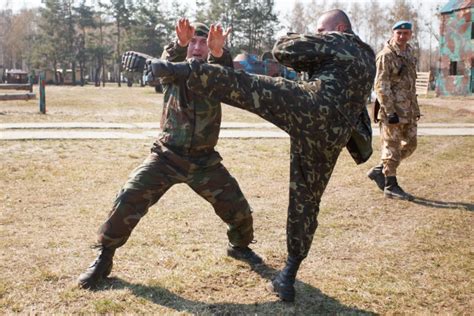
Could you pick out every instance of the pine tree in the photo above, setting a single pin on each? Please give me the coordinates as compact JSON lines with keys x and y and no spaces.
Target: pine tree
{"x":85,"y":21}
{"x":120,"y":10}
{"x":50,"y":46}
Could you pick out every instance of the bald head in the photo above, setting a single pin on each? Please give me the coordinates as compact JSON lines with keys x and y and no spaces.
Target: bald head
{"x":334,"y":20}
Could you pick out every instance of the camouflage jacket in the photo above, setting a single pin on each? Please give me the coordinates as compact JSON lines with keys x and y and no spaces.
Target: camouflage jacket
{"x":395,"y":83}
{"x":341,"y":63}
{"x":190,"y":124}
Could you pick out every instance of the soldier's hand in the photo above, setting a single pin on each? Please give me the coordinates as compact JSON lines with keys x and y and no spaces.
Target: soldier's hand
{"x":184,"y":32}
{"x":393,"y":118}
{"x":216,"y":39}
{"x":134,"y":61}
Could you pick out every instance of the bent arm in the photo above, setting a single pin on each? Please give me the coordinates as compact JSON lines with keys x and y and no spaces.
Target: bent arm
{"x":304,"y":52}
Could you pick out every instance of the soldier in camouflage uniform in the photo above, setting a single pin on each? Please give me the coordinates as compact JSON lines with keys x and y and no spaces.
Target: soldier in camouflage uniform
{"x":319,"y":115}
{"x":183,"y":153}
{"x":395,"y":86}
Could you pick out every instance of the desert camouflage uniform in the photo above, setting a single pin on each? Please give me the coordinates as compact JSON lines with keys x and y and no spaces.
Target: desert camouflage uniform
{"x":183,"y":153}
{"x":395,"y":86}
{"x":319,"y":115}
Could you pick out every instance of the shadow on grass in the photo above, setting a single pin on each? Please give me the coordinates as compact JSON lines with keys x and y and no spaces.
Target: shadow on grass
{"x":309,"y":300}
{"x":443,"y":204}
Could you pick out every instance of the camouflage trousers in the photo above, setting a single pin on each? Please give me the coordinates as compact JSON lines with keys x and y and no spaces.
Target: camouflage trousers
{"x":149,"y":181}
{"x":398,"y":142}
{"x":306,"y":111}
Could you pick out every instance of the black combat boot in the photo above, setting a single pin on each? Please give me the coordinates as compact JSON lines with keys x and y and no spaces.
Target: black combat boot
{"x":162,"y":68}
{"x":244,"y":254}
{"x":98,"y":270}
{"x":284,"y":284}
{"x":394,"y":191}
{"x":376,"y":174}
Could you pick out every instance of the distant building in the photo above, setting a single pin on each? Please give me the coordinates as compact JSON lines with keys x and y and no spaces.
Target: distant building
{"x":456,"y":64}
{"x":16,"y":76}
{"x":67,"y":76}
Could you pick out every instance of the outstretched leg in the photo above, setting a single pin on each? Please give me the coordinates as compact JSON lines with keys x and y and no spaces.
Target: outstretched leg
{"x":285,"y":103}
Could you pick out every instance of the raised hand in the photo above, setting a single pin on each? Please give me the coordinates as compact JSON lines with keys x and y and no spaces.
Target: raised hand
{"x":217,"y":38}
{"x":184,"y":32}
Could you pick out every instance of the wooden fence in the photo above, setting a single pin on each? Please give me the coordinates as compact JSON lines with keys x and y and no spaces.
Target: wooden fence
{"x":17,"y":96}
{"x":25,"y":96}
{"x":422,"y":83}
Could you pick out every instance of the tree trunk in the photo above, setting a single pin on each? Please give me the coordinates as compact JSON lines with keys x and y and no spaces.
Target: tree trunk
{"x":73,"y":73}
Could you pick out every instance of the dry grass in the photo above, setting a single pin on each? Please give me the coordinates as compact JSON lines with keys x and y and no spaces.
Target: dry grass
{"x":370,"y":254}
{"x":100,"y":104}
{"x":142,"y":104}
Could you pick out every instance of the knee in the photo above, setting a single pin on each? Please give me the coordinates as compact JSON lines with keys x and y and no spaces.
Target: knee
{"x":130,"y":201}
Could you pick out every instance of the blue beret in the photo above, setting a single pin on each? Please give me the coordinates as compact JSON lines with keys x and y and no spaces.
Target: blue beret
{"x":404,"y":25}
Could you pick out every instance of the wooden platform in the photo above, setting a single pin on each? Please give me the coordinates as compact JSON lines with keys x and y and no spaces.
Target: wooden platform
{"x":17,"y":96}
{"x":422,"y":83}
{"x":16,"y":86}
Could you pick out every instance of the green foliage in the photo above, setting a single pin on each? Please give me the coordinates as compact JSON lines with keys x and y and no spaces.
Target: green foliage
{"x":253,"y":22}
{"x":92,"y":36}
{"x":151,"y":28}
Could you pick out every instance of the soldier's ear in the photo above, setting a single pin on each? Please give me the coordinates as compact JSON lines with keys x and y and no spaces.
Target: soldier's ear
{"x":341,"y":27}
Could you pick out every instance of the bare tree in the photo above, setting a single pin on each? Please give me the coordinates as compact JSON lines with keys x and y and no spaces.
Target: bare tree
{"x":356,"y":16}
{"x":296,"y":18}
{"x":336,"y":4}
{"x":16,"y":34}
{"x":377,"y":25}
{"x":313,"y":11}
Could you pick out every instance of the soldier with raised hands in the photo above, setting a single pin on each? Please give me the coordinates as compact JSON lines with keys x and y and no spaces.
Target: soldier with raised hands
{"x":183,"y":153}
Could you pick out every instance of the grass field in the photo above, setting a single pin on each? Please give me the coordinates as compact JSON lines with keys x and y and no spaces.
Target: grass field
{"x":370,"y":255}
{"x":136,"y":104}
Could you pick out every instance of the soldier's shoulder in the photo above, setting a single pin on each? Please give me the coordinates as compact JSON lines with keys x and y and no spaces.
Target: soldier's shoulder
{"x":385,"y":53}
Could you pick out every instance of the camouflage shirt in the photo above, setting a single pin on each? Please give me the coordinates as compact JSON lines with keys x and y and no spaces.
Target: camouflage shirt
{"x":395,"y":82}
{"x":341,"y":62}
{"x":190,"y":124}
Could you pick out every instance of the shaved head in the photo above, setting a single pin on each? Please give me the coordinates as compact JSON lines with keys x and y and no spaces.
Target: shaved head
{"x":334,"y":20}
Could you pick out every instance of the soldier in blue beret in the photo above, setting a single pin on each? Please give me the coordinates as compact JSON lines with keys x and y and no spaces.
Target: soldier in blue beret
{"x":395,"y":86}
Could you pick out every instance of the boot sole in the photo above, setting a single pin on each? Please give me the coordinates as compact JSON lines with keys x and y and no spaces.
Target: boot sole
{"x":286,"y":297}
{"x":92,"y":283}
